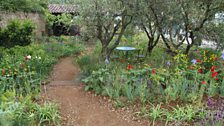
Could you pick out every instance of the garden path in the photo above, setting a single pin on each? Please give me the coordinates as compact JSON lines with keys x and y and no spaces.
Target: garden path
{"x":80,"y":108}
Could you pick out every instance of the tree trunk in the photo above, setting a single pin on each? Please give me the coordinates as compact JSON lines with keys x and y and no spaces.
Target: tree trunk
{"x":117,"y":42}
{"x":165,"y":41}
{"x":188,"y":49}
{"x":150,"y":47}
{"x":104,"y":52}
{"x":190,"y":45}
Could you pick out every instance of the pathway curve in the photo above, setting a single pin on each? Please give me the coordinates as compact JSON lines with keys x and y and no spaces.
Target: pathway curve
{"x":77,"y":107}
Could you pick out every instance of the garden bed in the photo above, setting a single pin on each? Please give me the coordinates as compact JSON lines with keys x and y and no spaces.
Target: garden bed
{"x":174,"y":90}
{"x":23,"y":69}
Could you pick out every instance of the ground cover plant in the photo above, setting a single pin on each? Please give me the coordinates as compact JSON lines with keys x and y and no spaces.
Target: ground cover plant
{"x":23,"y":70}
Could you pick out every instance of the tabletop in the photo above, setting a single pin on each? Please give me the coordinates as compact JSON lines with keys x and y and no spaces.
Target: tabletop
{"x":125,"y":48}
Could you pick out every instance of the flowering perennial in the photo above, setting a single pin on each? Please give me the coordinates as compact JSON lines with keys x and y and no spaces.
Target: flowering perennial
{"x":200,"y":70}
{"x":28,"y":57}
{"x":153,"y":71}
{"x":129,"y":67}
{"x":203,"y":82}
{"x":194,"y":61}
{"x":222,"y":56}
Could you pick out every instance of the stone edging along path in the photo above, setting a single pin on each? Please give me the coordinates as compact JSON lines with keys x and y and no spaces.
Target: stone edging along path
{"x":80,"y":108}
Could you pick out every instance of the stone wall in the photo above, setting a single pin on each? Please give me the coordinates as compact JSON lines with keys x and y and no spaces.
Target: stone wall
{"x":37,"y":19}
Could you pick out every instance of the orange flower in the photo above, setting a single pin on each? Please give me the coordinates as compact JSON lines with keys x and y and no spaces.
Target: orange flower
{"x":3,"y":72}
{"x":153,"y":71}
{"x":191,"y":67}
{"x":22,"y":65}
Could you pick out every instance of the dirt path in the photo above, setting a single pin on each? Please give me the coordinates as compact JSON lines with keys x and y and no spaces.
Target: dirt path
{"x":77,"y":107}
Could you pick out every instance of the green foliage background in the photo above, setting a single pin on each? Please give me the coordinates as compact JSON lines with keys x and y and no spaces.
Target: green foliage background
{"x":23,"y":5}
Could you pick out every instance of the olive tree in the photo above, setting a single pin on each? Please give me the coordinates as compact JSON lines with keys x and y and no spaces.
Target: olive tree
{"x":186,"y":20}
{"x":150,"y":18}
{"x":215,"y":32}
{"x":103,"y":19}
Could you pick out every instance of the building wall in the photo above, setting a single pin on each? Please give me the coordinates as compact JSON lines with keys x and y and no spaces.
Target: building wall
{"x":37,"y":19}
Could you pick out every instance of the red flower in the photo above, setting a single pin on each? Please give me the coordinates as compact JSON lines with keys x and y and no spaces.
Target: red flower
{"x":129,"y":67}
{"x":3,"y":72}
{"x":123,"y":60}
{"x":198,"y":61}
{"x":216,"y":58}
{"x":213,"y":68}
{"x":214,"y":74}
{"x":200,"y":70}
{"x":153,"y":71}
{"x":26,"y":59}
{"x":203,"y":82}
{"x":217,"y":79}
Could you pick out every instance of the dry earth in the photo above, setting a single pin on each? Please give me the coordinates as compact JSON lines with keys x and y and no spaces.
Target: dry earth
{"x":80,"y":108}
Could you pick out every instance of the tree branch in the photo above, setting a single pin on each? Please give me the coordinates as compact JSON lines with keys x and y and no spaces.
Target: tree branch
{"x":206,"y":14}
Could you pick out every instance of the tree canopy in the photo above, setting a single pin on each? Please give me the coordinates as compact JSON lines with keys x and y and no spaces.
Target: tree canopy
{"x":23,"y":5}
{"x":175,"y":21}
{"x":103,"y":19}
{"x":172,"y":21}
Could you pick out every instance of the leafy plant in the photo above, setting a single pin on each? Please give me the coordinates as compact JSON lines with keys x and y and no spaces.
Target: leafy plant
{"x":128,"y":91}
{"x":19,"y":110}
{"x":98,"y":79}
{"x":155,"y":112}
{"x":48,"y":114}
{"x":114,"y":91}
{"x":16,"y":33}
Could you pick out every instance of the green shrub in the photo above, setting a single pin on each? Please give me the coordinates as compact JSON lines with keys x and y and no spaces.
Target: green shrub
{"x":16,"y":33}
{"x":98,"y":80}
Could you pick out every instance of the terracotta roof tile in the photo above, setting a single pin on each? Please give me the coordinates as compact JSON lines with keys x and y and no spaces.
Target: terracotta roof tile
{"x":62,"y":8}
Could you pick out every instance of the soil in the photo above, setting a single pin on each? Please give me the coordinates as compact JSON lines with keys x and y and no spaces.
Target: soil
{"x":81,"y":108}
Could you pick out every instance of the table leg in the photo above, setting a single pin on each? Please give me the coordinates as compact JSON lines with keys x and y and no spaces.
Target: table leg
{"x":126,"y":54}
